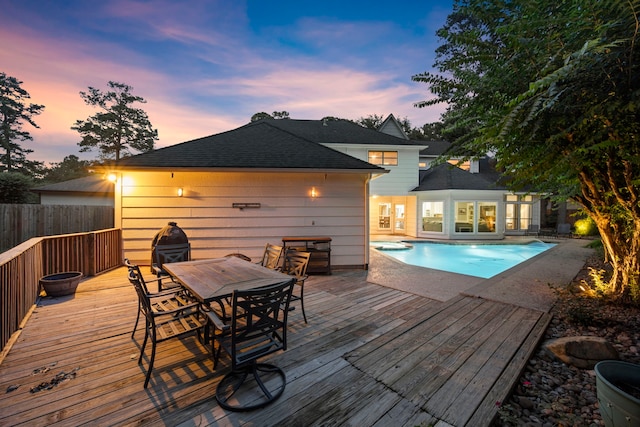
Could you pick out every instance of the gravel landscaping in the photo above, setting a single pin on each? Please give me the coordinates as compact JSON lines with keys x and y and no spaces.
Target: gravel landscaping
{"x":552,"y":393}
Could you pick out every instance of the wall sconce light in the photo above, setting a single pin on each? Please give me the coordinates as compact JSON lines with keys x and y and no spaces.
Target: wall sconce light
{"x":180,"y":192}
{"x":314,"y":193}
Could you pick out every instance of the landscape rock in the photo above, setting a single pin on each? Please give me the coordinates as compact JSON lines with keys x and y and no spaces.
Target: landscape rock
{"x":581,"y":351}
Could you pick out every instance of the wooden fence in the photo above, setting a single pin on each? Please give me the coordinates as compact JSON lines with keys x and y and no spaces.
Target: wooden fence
{"x":19,"y":223}
{"x":22,"y":267}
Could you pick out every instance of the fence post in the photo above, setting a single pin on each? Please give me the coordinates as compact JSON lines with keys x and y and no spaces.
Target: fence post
{"x":91,"y":253}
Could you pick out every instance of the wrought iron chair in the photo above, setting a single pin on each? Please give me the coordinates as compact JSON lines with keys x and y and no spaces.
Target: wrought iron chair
{"x":271,"y":256}
{"x":166,"y":254}
{"x":258,"y":327}
{"x":533,"y":230}
{"x":295,"y":264}
{"x":165,"y":300}
{"x":564,"y":229}
{"x":163,"y":325}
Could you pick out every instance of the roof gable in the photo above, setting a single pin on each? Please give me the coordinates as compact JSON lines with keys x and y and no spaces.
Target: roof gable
{"x":259,"y":145}
{"x":391,"y":126}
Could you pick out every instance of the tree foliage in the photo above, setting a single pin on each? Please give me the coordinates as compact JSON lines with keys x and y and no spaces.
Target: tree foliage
{"x":428,"y":131}
{"x":71,"y":167}
{"x":552,"y":88}
{"x":372,"y":121}
{"x":275,"y":115}
{"x":14,"y":188}
{"x":14,"y":113}
{"x":118,"y":127}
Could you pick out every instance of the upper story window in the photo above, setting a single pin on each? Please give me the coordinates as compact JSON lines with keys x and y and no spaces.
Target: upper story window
{"x":462,"y":165}
{"x":384,"y":158}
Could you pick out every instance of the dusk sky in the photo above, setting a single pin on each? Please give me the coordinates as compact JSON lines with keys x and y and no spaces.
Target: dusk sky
{"x":206,"y":66}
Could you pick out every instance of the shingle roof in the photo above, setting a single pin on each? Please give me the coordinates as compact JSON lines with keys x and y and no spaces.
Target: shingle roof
{"x":335,"y":131}
{"x":87,"y":184}
{"x":449,"y":177}
{"x":259,"y":145}
{"x":435,"y":148}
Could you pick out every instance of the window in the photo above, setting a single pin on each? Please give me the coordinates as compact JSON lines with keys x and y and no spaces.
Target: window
{"x":487,"y":217}
{"x":462,"y":165}
{"x":384,"y":158}
{"x":464,"y":217}
{"x":432,"y":216}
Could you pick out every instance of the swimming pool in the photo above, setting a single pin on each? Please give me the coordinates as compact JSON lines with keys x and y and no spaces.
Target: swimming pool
{"x":479,"y":260}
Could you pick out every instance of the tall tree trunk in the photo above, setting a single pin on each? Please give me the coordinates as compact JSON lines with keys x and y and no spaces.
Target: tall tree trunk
{"x":621,"y":241}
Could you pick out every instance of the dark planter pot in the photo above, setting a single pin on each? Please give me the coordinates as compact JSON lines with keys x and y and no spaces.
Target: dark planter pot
{"x":618,"y":388}
{"x":60,"y":284}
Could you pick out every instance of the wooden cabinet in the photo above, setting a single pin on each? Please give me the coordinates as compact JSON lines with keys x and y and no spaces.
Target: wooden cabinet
{"x":318,"y":247}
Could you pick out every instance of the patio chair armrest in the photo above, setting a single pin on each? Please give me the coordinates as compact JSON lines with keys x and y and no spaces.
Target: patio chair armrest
{"x":155,"y":279}
{"x":165,"y":293}
{"x":217,"y":322}
{"x":158,"y":270}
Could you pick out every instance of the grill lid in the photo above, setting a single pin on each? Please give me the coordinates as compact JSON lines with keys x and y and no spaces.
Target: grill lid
{"x":170,"y":234}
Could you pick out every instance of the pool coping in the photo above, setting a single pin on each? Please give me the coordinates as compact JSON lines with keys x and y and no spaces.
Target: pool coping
{"x":529,"y":284}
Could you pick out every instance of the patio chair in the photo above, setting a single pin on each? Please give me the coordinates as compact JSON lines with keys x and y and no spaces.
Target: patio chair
{"x":166,"y":254}
{"x":533,"y":230}
{"x":564,"y":229}
{"x":258,"y":327}
{"x":168,"y":299}
{"x":164,"y":325}
{"x":295,"y":264}
{"x":271,"y":256}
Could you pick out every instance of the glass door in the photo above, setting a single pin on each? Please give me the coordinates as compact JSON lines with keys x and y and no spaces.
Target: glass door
{"x":384,"y":216}
{"x":398,"y":223}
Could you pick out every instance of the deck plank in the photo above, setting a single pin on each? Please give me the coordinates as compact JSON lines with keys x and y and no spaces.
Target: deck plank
{"x":370,"y":355}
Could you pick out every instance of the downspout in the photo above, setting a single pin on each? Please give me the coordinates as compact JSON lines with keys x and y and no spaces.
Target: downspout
{"x":367,"y":221}
{"x":117,"y":210}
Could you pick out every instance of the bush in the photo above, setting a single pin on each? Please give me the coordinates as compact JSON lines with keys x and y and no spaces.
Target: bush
{"x":14,"y":188}
{"x":586,"y":227}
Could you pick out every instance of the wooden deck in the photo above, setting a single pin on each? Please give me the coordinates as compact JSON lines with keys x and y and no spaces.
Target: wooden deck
{"x":370,"y":356}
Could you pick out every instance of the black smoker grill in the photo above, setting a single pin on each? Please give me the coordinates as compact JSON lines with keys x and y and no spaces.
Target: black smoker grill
{"x":171,"y":234}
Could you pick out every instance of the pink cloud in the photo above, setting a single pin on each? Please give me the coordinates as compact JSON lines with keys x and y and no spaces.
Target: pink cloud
{"x":55,"y":68}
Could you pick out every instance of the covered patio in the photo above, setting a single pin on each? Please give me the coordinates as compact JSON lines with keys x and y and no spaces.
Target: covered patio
{"x":371,"y":354}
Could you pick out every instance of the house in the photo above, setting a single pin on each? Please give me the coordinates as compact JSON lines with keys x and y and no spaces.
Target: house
{"x":237,"y":190}
{"x":92,"y":190}
{"x":392,"y":207}
{"x":416,"y":200}
{"x":458,"y":200}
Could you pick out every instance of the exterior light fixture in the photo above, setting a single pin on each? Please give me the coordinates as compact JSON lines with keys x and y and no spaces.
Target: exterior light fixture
{"x":112,"y":177}
{"x":314,"y":193}
{"x":243,"y":206}
{"x":180,"y":192}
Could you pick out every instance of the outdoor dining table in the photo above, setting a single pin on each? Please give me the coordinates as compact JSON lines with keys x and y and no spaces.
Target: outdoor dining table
{"x":215,"y":279}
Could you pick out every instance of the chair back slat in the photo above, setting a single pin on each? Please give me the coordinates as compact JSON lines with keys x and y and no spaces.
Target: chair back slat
{"x":172,"y":253}
{"x":271,"y":256}
{"x":296,"y":263}
{"x":259,"y":322}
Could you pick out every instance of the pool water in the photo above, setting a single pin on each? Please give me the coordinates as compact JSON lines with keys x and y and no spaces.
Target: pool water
{"x":479,"y":260}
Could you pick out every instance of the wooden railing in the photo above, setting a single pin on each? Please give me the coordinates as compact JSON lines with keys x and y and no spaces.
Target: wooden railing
{"x":22,"y":267}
